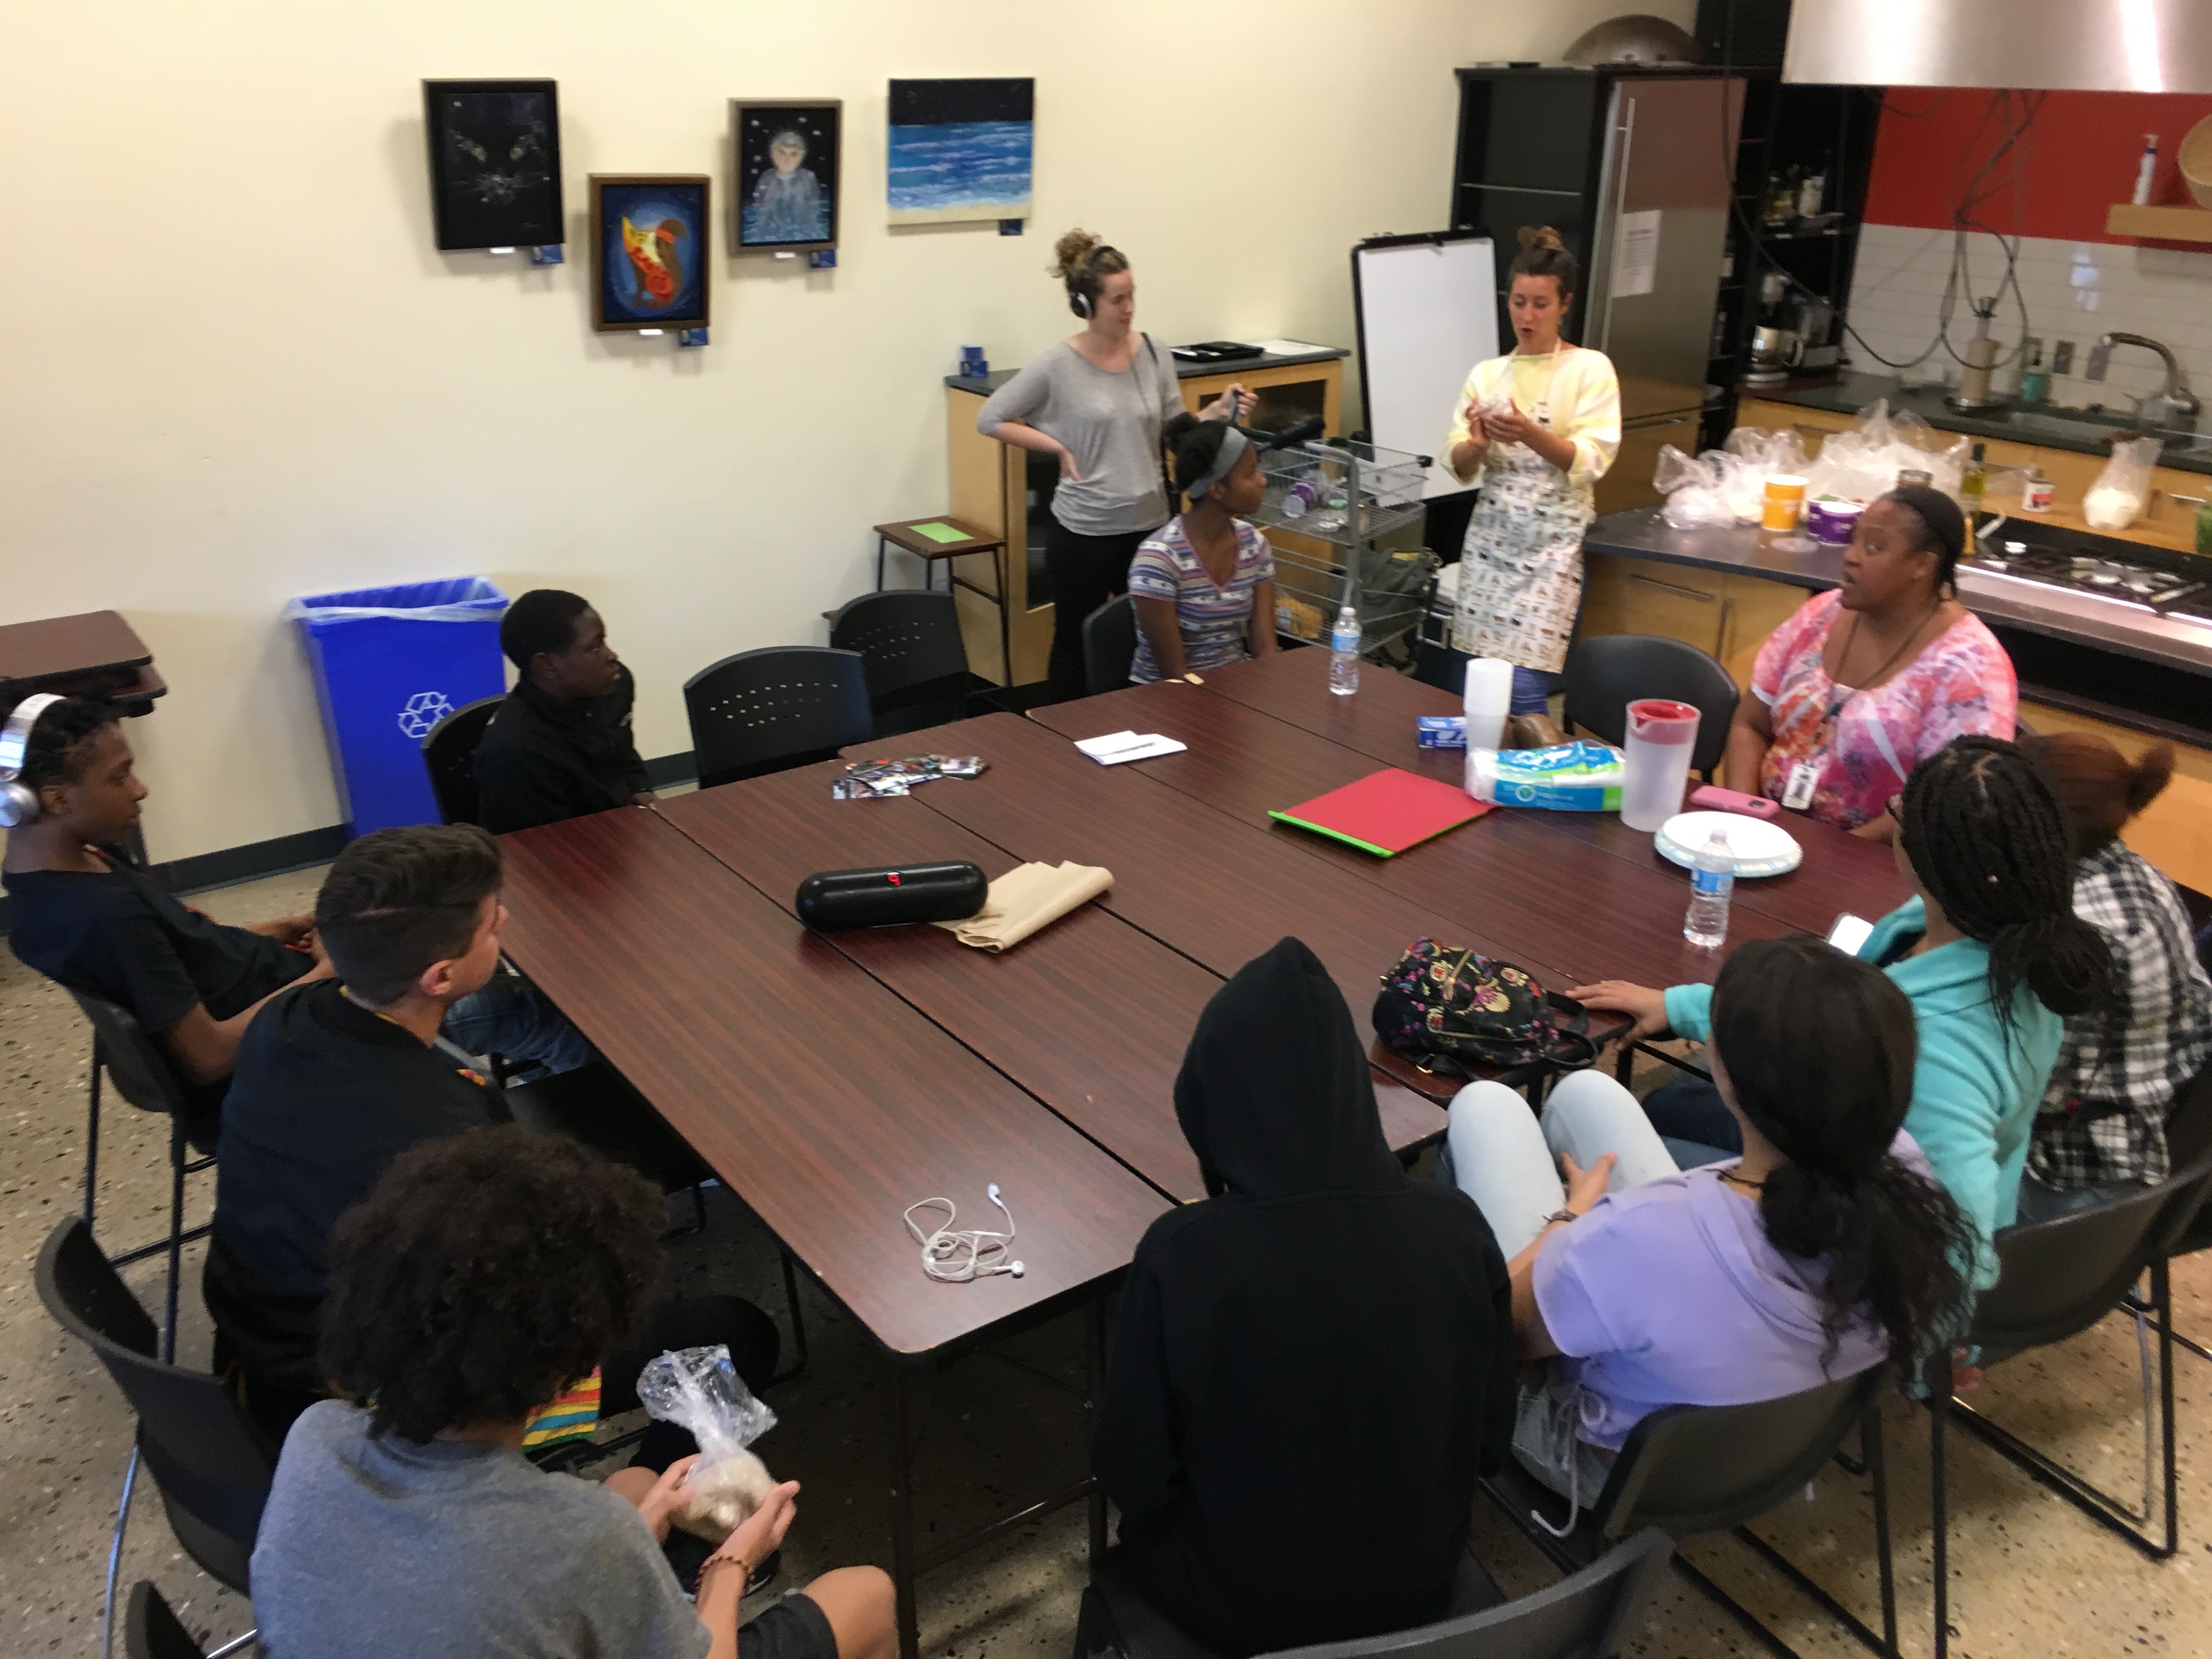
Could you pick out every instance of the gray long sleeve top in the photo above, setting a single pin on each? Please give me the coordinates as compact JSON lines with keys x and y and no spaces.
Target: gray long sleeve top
{"x":1110,"y":421}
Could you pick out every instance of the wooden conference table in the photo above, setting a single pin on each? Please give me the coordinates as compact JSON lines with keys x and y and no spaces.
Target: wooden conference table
{"x":834,"y":1080}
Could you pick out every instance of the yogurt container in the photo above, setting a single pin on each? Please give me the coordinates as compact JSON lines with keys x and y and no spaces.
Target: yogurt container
{"x":1832,"y":521}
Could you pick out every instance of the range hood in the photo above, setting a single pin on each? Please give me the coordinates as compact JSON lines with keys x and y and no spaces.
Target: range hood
{"x":2077,"y":46}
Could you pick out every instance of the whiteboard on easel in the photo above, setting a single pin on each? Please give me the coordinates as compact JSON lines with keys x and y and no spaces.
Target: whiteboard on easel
{"x":1427,"y":314}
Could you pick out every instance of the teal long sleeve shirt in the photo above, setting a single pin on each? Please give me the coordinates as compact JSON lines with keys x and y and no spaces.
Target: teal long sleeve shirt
{"x":1974,"y":1093}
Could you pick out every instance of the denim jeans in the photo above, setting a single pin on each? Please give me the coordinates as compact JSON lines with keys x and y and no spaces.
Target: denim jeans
{"x":1507,"y":1161}
{"x":2041,"y":1203}
{"x":1532,"y":691}
{"x":512,"y":1017}
{"x":1690,"y":1117}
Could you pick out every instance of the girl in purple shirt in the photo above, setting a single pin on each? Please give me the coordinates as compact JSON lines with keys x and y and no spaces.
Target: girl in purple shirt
{"x":1827,"y":1247}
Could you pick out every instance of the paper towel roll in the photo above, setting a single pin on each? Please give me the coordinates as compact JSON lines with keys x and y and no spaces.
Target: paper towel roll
{"x":1489,"y":700}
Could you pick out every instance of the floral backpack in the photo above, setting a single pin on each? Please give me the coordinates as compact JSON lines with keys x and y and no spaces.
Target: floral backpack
{"x":1455,"y":1011}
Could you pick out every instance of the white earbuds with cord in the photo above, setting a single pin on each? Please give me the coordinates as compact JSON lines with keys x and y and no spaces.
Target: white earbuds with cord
{"x":19,"y":804}
{"x":955,"y":1257}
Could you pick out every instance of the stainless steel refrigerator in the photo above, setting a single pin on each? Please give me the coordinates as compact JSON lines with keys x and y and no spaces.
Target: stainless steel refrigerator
{"x":1634,"y":169}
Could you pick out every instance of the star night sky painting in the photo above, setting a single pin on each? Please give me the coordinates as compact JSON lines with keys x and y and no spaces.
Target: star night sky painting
{"x":960,"y":150}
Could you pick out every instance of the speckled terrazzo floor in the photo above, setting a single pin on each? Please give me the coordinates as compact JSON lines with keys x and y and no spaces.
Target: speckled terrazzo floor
{"x":2031,"y":1577}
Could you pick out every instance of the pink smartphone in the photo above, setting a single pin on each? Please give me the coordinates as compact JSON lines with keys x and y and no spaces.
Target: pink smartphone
{"x":1714,"y":798}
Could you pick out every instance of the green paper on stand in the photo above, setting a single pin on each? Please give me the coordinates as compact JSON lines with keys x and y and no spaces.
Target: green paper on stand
{"x":940,"y":533}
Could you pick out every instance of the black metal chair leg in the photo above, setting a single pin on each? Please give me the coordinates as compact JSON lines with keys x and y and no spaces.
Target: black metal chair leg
{"x":2161,"y":1296}
{"x":1870,"y":1450}
{"x":1939,"y":1411}
{"x":798,"y":1319}
{"x":177,"y":1161}
{"x":902,"y":1562}
{"x":92,"y":1138}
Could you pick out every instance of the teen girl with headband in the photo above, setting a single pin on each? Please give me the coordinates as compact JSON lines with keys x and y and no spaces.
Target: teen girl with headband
{"x":1205,"y":586}
{"x":1099,"y":402}
{"x":1536,"y":429}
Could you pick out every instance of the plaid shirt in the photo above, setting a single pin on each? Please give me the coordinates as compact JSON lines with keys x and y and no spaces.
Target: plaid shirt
{"x":2103,"y":1118}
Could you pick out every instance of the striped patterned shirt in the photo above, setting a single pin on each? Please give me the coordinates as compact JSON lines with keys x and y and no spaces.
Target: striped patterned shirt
{"x":1213,"y":619}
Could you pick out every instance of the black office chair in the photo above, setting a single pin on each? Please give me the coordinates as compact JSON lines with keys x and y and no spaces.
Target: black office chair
{"x":2188,"y":1138}
{"x":1693,"y":1470}
{"x":212,"y":1466}
{"x":2056,"y":1279}
{"x":764,"y":711}
{"x":917,"y":664}
{"x":1606,"y":672}
{"x":596,"y":1105}
{"x":150,"y":1631}
{"x":1591,"y":1615}
{"x":449,"y":753}
{"x":1109,"y":645}
{"x":143,"y":1076}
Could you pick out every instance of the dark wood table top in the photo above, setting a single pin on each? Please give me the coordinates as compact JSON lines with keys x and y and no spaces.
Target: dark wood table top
{"x":1214,"y":888}
{"x":827,"y":1103}
{"x":1089,"y":1015}
{"x":1544,"y":894}
{"x":903,"y":534}
{"x":96,"y":654}
{"x":1840,"y":871}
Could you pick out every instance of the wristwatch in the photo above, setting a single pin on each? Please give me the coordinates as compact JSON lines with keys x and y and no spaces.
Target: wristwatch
{"x":1559,"y":1215}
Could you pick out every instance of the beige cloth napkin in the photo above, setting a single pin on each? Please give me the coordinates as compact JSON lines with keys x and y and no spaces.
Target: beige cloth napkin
{"x":1026,"y":898}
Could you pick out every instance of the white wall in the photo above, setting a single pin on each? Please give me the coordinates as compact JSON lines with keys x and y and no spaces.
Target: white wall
{"x":236,"y":370}
{"x":2074,"y":291}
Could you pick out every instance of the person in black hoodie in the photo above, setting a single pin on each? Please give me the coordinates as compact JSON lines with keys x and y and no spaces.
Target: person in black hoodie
{"x":560,"y":746}
{"x":1313,"y":1363}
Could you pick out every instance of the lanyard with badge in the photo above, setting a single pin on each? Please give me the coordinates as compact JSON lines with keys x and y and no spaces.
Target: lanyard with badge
{"x":1805,"y":775}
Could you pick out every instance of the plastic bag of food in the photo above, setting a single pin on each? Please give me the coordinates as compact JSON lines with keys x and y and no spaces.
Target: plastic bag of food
{"x":698,"y":1389}
{"x":2117,"y":499}
{"x":1862,"y":461}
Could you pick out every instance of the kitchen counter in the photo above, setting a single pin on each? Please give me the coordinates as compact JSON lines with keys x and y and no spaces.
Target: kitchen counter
{"x":984,"y":386}
{"x":2154,"y":676}
{"x":2043,"y":425}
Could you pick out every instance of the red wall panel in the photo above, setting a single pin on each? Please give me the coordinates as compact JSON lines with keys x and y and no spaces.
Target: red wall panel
{"x":2082,"y":156}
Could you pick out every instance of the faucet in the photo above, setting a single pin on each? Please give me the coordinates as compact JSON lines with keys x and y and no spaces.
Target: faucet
{"x":2175,"y":400}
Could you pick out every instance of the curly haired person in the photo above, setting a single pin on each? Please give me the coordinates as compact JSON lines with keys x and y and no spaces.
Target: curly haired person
{"x":484,"y":1274}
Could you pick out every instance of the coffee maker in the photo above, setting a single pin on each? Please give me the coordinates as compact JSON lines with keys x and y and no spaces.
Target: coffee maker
{"x":1774,"y":354}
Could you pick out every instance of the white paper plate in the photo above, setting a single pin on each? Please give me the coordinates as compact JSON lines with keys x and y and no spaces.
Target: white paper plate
{"x":1761,"y":847}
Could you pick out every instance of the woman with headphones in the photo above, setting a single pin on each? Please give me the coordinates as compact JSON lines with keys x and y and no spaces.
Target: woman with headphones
{"x":1099,"y":402}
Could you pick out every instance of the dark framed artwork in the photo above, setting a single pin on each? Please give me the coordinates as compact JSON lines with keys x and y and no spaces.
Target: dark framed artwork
{"x":650,"y":245}
{"x":495,"y":151}
{"x":960,"y":150}
{"x":785,"y":193}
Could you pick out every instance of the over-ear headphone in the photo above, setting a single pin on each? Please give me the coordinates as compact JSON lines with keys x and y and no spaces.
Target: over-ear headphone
{"x":19,"y":805}
{"x":1083,"y":282}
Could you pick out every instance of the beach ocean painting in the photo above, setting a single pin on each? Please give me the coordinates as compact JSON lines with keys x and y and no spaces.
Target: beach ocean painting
{"x":960,"y":150}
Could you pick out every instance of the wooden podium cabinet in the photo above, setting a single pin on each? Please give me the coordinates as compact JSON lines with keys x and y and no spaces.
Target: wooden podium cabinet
{"x":1006,"y":491}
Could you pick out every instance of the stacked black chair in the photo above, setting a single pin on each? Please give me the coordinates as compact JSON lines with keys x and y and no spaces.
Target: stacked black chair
{"x":143,"y":1076}
{"x":212,"y":1465}
{"x":1109,"y":645}
{"x":1606,"y":672}
{"x":449,"y":753}
{"x":909,"y":644}
{"x":2056,"y":1279}
{"x":1693,"y":1470}
{"x":1591,"y":1615}
{"x":764,"y":711}
{"x":2188,"y":1137}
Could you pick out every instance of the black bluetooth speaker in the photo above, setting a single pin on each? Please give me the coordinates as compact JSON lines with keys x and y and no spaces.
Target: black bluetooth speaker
{"x":890,"y":895}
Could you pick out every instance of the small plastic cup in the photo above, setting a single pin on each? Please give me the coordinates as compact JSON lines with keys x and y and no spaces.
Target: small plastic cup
{"x":1661,"y":735}
{"x":1784,"y":501}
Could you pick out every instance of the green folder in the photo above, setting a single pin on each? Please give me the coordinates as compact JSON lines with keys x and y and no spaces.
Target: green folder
{"x":940,"y":533}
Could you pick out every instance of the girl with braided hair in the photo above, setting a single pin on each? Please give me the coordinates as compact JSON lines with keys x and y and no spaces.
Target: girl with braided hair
{"x":1990,"y":952}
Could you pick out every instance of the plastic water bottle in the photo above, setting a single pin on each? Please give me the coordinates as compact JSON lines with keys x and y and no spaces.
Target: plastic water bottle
{"x":1712,"y":878}
{"x":1343,"y":654}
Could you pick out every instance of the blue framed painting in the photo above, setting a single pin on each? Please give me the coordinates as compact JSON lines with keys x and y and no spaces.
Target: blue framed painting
{"x":649,"y":251}
{"x":787,"y":152}
{"x":960,"y":150}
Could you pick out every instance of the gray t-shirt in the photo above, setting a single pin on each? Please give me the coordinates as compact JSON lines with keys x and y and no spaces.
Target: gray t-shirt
{"x":1110,"y":421}
{"x":372,"y":1546}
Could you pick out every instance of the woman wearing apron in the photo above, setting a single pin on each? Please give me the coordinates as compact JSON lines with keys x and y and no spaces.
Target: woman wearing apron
{"x":1536,"y":429}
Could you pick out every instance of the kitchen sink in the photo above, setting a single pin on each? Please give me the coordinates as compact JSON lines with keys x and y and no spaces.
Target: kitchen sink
{"x":2043,"y":420}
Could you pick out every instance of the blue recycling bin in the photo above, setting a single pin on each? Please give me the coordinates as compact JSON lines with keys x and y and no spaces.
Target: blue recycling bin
{"x":389,"y":663}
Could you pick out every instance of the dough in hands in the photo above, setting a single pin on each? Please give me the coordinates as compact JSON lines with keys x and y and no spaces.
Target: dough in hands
{"x":717,"y":1497}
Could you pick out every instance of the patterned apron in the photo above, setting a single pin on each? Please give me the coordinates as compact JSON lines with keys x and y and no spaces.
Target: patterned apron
{"x":1521,"y":570}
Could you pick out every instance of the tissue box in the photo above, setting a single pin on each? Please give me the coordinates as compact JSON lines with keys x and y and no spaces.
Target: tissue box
{"x":1568,"y":777}
{"x":1441,"y":731}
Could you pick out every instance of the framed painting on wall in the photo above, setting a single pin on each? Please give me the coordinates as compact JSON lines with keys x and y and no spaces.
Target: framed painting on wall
{"x":649,"y":251}
{"x":494,"y":148}
{"x":960,"y":150}
{"x":787,"y":152}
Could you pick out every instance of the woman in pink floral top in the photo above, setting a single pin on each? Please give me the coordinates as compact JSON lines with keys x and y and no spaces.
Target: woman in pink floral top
{"x":1861,"y":681}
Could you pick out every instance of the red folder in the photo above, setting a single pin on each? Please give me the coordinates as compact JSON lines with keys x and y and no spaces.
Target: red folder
{"x":1386,"y":812}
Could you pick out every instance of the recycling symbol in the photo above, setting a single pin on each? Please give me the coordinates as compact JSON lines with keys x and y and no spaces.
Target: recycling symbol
{"x":423,"y":710}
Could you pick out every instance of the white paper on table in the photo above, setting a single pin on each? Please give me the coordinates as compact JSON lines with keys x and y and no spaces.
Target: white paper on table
{"x":1283,"y":348}
{"x":1115,"y":747}
{"x":1635,"y":258}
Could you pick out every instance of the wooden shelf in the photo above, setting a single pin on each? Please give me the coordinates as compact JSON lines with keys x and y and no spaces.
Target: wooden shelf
{"x":2163,"y":224}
